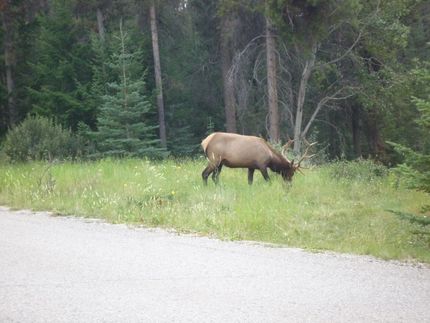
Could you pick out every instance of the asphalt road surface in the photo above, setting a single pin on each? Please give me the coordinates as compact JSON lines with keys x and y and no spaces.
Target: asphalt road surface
{"x":65,"y":269}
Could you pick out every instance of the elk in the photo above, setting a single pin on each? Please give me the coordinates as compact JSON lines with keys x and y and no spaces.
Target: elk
{"x":239,"y":151}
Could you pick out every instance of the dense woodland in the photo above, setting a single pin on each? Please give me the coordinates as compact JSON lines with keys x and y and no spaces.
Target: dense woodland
{"x":149,"y":77}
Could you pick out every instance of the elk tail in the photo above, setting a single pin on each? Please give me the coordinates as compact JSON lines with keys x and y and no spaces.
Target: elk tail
{"x":205,"y":143}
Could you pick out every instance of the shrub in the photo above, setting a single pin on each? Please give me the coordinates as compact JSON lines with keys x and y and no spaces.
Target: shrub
{"x":365,"y":170}
{"x":39,"y":138}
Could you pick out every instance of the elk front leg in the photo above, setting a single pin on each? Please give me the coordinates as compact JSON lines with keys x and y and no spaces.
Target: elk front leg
{"x":250,"y":175}
{"x":265,"y":174}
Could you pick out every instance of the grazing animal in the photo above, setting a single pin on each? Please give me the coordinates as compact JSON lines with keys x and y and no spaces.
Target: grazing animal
{"x":238,"y":151}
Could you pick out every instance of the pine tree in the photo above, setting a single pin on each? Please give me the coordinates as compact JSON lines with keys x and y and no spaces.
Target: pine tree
{"x":123,"y":127}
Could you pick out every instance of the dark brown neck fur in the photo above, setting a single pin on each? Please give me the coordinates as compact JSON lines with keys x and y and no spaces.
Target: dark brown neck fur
{"x":278,"y":163}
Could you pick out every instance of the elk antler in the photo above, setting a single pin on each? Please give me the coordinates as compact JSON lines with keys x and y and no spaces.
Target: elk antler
{"x":286,"y":146}
{"x":305,"y":155}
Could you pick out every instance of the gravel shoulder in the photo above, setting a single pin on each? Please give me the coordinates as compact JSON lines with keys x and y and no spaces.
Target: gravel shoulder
{"x":67,"y":269}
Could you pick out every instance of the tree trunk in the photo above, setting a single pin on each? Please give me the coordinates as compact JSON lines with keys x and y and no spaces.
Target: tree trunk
{"x":307,"y":71}
{"x":9,"y":60}
{"x":100,"y":24}
{"x":272,"y":88}
{"x":376,"y":144}
{"x":355,"y":127}
{"x":227,"y":28}
{"x":335,"y":149}
{"x":158,"y":82}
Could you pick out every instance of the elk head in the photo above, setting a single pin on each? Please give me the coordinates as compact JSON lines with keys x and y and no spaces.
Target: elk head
{"x":289,"y":173}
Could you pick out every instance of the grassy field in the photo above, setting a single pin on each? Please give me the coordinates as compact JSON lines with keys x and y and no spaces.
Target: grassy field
{"x":341,"y":207}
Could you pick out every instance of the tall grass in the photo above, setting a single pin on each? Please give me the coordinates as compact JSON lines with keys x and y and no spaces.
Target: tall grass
{"x":340,"y":207}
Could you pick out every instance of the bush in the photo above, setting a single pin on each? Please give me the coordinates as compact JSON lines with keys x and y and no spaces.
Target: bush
{"x":365,"y":170}
{"x":39,"y":138}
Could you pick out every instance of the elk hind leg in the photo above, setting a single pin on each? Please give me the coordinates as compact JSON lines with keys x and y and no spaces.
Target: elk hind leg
{"x":207,"y":171}
{"x":215,"y":174}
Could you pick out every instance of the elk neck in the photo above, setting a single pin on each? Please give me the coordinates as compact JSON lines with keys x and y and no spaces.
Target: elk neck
{"x":279,"y":163}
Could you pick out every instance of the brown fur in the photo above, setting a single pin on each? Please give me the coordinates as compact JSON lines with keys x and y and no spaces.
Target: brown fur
{"x":238,"y":151}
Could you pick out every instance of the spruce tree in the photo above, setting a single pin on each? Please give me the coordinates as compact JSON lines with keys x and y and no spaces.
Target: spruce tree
{"x":60,"y":70}
{"x":416,"y":163}
{"x":123,"y":119}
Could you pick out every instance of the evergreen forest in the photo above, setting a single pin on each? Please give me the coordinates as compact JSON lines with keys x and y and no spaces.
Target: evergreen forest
{"x":153,"y":78}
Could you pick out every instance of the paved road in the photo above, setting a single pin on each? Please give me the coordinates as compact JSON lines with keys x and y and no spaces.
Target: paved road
{"x":65,"y":269}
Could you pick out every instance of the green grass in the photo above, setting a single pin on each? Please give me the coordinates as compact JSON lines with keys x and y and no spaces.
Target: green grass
{"x":323,"y":210}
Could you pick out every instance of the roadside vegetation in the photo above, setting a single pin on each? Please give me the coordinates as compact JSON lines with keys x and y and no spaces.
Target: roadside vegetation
{"x":354,"y":207}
